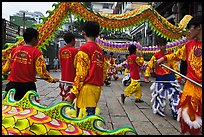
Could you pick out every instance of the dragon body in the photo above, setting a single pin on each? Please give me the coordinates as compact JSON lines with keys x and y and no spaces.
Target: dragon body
{"x":48,"y":28}
{"x":27,"y":117}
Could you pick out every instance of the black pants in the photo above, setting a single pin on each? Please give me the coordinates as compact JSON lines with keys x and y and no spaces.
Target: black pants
{"x":21,"y":88}
{"x":48,"y":68}
{"x":90,"y":111}
{"x":183,"y":67}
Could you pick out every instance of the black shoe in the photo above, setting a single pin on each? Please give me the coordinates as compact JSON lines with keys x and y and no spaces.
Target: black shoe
{"x":107,"y":83}
{"x":123,"y":98}
{"x":160,"y":114}
{"x":138,"y":101}
{"x":108,"y":78}
{"x":175,"y":116}
{"x":116,"y":78}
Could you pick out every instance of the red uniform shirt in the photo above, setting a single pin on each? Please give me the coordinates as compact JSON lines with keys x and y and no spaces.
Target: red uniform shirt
{"x":67,"y":55}
{"x":133,"y":67}
{"x":95,"y":72}
{"x":161,"y":70}
{"x":194,"y":60}
{"x":23,"y":60}
{"x":111,"y":60}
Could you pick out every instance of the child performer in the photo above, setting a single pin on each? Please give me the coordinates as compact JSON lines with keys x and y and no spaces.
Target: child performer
{"x":134,"y":62}
{"x":163,"y":89}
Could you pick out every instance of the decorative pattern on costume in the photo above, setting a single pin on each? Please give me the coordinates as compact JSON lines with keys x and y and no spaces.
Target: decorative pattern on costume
{"x":41,"y":69}
{"x":27,"y":117}
{"x":64,"y":89}
{"x":159,"y":95}
{"x":196,"y":60}
{"x":190,"y":109}
{"x":82,"y":65}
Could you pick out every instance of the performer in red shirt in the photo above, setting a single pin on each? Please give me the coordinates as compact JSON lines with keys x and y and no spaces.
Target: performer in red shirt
{"x":162,"y":90}
{"x":24,"y":62}
{"x":90,"y":73}
{"x":107,"y":82}
{"x":67,"y":57}
{"x":190,"y":105}
{"x":112,"y":70}
{"x":133,"y":62}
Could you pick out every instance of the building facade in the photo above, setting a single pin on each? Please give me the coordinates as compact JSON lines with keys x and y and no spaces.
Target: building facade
{"x":172,"y":11}
{"x":103,"y":7}
{"x":9,"y":32}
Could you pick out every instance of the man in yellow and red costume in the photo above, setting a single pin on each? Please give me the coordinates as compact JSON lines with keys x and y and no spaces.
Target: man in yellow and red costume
{"x":24,"y":62}
{"x":89,"y":73}
{"x":112,"y":70}
{"x":190,"y":105}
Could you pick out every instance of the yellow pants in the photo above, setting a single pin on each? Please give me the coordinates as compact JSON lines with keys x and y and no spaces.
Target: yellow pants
{"x":134,"y":87}
{"x":88,"y":96}
{"x":190,"y":108}
{"x":126,"y":71}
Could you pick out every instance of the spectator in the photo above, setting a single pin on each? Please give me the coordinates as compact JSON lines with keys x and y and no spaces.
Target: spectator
{"x":47,"y":62}
{"x":55,"y":63}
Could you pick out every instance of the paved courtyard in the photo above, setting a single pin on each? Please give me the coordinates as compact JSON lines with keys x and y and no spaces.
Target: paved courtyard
{"x":136,"y":115}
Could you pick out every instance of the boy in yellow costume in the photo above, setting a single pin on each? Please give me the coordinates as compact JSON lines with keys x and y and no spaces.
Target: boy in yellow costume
{"x":134,"y":62}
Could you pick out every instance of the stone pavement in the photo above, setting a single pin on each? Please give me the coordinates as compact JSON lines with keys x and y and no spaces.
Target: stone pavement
{"x":136,"y":115}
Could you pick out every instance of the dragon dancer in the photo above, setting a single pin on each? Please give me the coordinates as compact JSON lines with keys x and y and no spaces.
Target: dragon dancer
{"x":90,"y":71}
{"x":112,"y":70}
{"x":107,"y":81}
{"x":190,"y":105}
{"x":24,"y":62}
{"x":134,"y":62}
{"x":163,"y":89}
{"x":67,"y":57}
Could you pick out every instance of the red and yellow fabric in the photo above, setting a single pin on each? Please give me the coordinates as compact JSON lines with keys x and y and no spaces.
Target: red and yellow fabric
{"x":190,"y":105}
{"x":134,"y":62}
{"x":112,"y":69}
{"x":106,"y":66}
{"x":24,"y":62}
{"x":159,"y":70}
{"x":134,"y":87}
{"x":192,"y":51}
{"x":111,"y":61}
{"x":88,"y":81}
{"x":67,"y":57}
{"x":126,"y":71}
{"x":41,"y":69}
